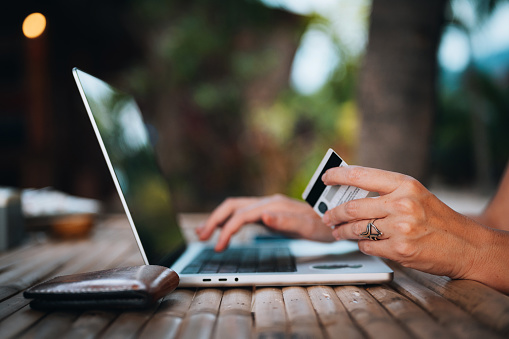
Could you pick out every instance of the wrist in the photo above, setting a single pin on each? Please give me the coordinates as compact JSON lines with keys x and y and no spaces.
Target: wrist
{"x":486,"y":263}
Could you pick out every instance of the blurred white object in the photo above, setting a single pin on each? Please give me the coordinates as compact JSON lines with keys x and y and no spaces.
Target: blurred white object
{"x":47,"y":202}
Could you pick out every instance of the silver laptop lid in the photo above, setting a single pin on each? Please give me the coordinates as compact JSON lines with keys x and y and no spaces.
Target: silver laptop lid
{"x":130,"y":157}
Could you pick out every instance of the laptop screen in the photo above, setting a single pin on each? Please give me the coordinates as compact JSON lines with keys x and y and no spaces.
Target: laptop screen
{"x":144,"y":192}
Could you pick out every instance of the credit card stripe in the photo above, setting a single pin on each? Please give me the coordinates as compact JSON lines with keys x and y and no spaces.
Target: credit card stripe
{"x":319,"y":186}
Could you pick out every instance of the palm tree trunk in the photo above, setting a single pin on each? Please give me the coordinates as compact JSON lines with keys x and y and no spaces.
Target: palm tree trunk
{"x":396,"y":92}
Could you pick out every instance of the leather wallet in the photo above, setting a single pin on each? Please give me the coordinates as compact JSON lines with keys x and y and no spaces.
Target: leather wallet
{"x":133,"y":287}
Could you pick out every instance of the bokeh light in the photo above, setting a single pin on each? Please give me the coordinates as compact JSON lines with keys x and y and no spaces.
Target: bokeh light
{"x":34,"y":25}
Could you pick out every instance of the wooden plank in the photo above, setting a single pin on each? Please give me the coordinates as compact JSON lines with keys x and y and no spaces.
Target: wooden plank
{"x":235,"y":320}
{"x":19,"y":322}
{"x":177,"y":303}
{"x":206,"y":301}
{"x":116,"y":222}
{"x":6,"y":267}
{"x":128,"y":324}
{"x":84,"y":255}
{"x":166,"y":322}
{"x":90,"y":254}
{"x":11,"y":305}
{"x":198,"y":326}
{"x":484,"y":303}
{"x":89,"y":259}
{"x":87,"y":263}
{"x":7,"y":291}
{"x":269,"y":313}
{"x":162,"y":327}
{"x":133,"y":257}
{"x":333,"y":316}
{"x":25,"y":267}
{"x":449,"y":315}
{"x":33,"y":272}
{"x":201,"y":317}
{"x":369,"y":315}
{"x":236,"y":301}
{"x":414,"y":318}
{"x":16,"y":302}
{"x":233,"y":326}
{"x":53,"y":325}
{"x":89,"y":325}
{"x":98,"y":255}
{"x":20,"y":253}
{"x":301,"y":314}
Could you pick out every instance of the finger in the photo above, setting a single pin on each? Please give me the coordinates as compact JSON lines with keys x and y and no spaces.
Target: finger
{"x":359,"y":209}
{"x":376,"y":248}
{"x":353,"y":230}
{"x":369,"y":179}
{"x":237,"y":220}
{"x":298,"y":225}
{"x":250,"y":212}
{"x":199,"y":228}
{"x":284,"y":222}
{"x":221,"y":214}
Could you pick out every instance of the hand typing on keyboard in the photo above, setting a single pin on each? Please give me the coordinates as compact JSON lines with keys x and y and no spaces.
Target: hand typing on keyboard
{"x":278,"y":212}
{"x":242,"y":260}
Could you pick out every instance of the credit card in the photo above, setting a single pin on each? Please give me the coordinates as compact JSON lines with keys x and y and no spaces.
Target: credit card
{"x":323,"y":198}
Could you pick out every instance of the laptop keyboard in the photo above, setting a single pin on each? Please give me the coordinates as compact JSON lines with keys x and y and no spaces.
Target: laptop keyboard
{"x":243,"y":260}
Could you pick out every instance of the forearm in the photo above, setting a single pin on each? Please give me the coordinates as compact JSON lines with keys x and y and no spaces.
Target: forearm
{"x":494,"y":214}
{"x":489,"y":265}
{"x":481,"y":219}
{"x":490,"y":219}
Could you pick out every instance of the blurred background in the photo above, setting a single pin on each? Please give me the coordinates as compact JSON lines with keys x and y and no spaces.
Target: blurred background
{"x":243,"y":97}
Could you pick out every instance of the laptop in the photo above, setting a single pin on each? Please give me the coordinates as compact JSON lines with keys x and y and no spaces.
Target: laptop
{"x":145,"y":196}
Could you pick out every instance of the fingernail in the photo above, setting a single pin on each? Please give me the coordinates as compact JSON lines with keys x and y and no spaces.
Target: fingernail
{"x":267,"y":217}
{"x":324,"y":176}
{"x":203,"y":235}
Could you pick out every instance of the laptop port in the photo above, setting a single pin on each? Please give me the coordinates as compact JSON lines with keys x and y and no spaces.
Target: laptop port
{"x":223,"y":279}
{"x":207,"y":279}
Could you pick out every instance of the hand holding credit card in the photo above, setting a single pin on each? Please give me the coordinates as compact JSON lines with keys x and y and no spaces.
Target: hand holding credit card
{"x":323,"y":198}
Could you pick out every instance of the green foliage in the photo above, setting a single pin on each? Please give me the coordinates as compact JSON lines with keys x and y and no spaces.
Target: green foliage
{"x":203,"y":58}
{"x":497,"y":102}
{"x":306,"y":126}
{"x":472,"y":100}
{"x":453,"y":155}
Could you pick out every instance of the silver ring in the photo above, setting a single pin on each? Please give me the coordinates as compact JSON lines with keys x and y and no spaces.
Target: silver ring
{"x":369,"y":234}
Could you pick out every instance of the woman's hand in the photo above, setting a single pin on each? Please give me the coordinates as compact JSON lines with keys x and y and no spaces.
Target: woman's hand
{"x":277,"y":212}
{"x":419,"y":231}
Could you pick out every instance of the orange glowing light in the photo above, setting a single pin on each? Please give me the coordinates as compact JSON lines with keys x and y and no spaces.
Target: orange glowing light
{"x":34,"y":25}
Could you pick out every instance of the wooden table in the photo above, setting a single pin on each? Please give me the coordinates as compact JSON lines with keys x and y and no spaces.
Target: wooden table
{"x":415,"y":304}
